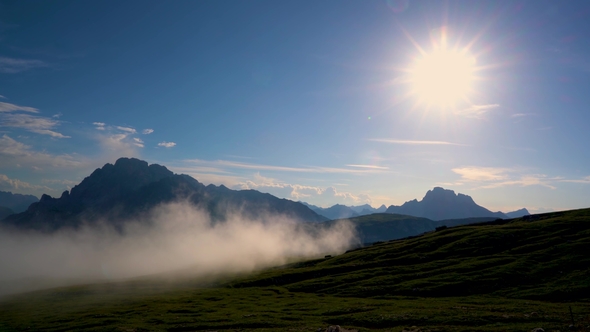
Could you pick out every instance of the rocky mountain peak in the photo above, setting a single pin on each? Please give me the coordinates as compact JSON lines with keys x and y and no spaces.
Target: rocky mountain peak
{"x":440,"y":203}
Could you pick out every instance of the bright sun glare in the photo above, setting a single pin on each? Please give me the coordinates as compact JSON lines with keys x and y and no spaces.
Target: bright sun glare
{"x":443,"y":77}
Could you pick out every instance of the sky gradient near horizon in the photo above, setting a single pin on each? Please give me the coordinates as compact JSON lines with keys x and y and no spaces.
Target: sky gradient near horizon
{"x":306,"y":100}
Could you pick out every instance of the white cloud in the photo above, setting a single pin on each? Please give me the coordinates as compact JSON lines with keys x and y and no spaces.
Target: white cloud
{"x":413,"y":142}
{"x":167,"y":144}
{"x":524,"y":181}
{"x":1,"y":96}
{"x":482,"y":173}
{"x":12,"y":66}
{"x":118,"y":145}
{"x":8,"y":107}
{"x":99,"y":125}
{"x":326,"y":196}
{"x":477,"y":111}
{"x":35,"y":124}
{"x":216,"y":173}
{"x":493,"y":177}
{"x":127,"y":129}
{"x":18,"y":187}
{"x":147,"y":131}
{"x":138,"y":142}
{"x":17,"y":154}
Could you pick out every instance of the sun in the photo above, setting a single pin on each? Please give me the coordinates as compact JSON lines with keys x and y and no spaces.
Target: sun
{"x":443,"y":77}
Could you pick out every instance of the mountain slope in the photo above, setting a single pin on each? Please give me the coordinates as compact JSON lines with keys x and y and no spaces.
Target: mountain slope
{"x":517,"y":213}
{"x":4,"y":212}
{"x":439,"y":204}
{"x":16,"y":202}
{"x":131,"y":187}
{"x":537,"y":257}
{"x":378,"y":227}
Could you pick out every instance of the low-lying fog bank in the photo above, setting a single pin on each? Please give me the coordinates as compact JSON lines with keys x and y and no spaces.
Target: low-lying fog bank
{"x":172,"y":238}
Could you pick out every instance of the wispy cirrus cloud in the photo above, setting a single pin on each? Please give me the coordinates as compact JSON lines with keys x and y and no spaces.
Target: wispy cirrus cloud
{"x":116,"y":145}
{"x":524,"y":181}
{"x":167,"y":144}
{"x":117,"y":141}
{"x":477,"y":111}
{"x":18,"y":186}
{"x":369,"y":166}
{"x":413,"y":142}
{"x":496,"y":177}
{"x":584,"y":180}
{"x":147,"y":131}
{"x":138,"y":142}
{"x":521,"y":115}
{"x":13,"y":65}
{"x":99,"y":125}
{"x":16,"y":154}
{"x":225,"y":164}
{"x":325,"y":195}
{"x":35,"y":124}
{"x":474,"y":173}
{"x":8,"y":107}
{"x":126,"y":129}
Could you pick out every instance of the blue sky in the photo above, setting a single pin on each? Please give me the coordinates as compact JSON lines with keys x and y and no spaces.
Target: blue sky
{"x":307,"y":100}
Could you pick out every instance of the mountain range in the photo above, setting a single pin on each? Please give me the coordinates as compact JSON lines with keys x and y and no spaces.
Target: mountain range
{"x":15,"y":202}
{"x":339,"y":211}
{"x":131,"y":187}
{"x":437,"y":204}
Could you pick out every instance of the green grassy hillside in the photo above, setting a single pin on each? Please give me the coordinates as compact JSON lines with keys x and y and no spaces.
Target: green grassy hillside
{"x":545,"y":258}
{"x":513,"y":275}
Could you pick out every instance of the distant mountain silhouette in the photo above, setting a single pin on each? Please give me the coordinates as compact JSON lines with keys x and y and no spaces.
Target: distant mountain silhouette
{"x":387,"y":226}
{"x":439,"y":204}
{"x":367,"y":209}
{"x":335,"y":212}
{"x":517,"y":213}
{"x":131,"y":187}
{"x":4,"y":212}
{"x":339,"y":211}
{"x":16,"y":202}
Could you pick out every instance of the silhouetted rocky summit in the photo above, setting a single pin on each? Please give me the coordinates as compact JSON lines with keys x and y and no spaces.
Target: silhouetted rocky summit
{"x":440,"y":204}
{"x":130,"y":188}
